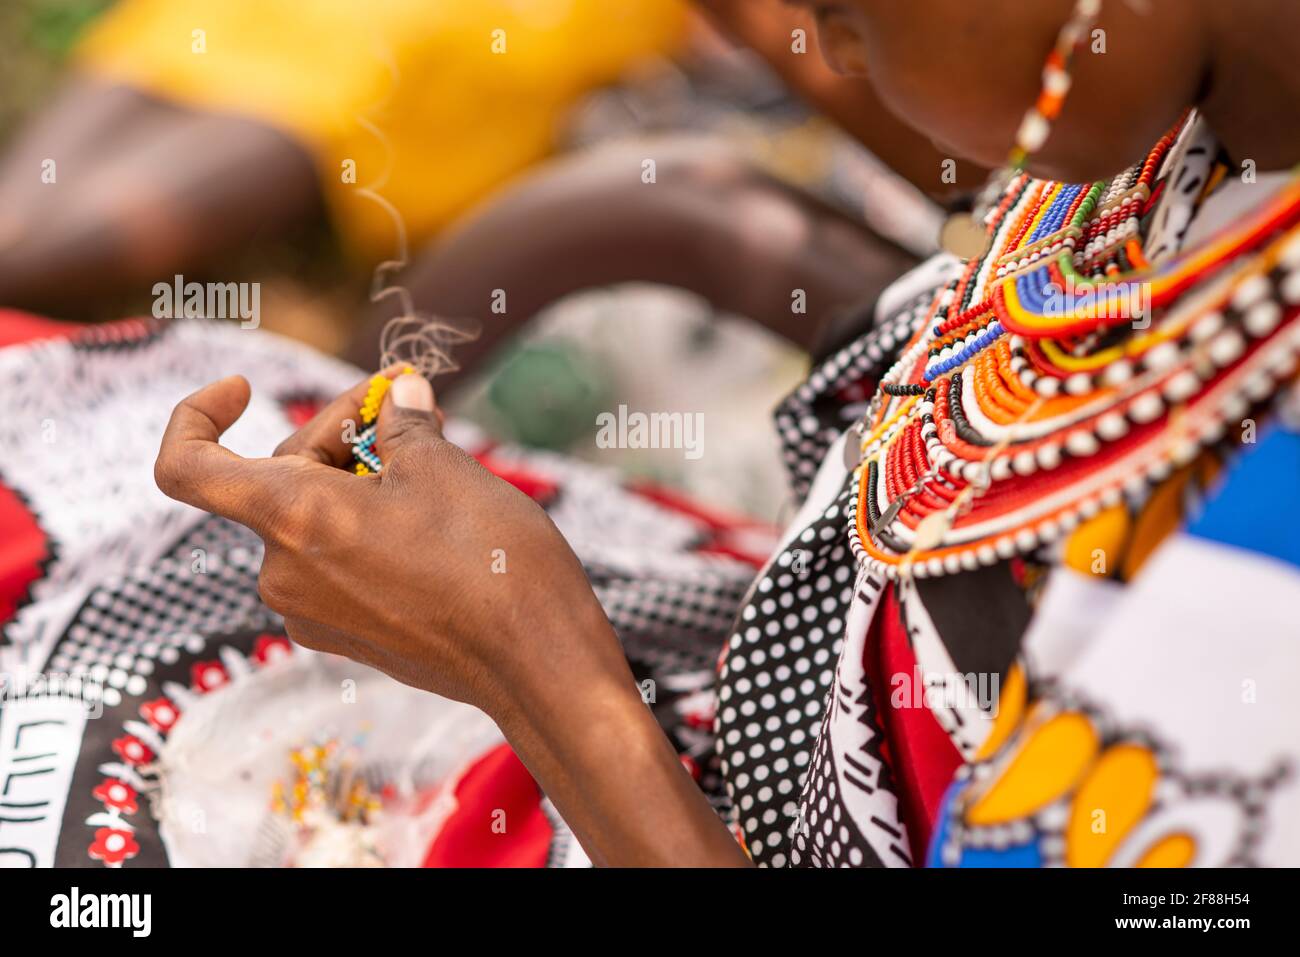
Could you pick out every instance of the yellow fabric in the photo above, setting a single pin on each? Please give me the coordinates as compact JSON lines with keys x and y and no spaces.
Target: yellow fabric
{"x":1049,"y":763}
{"x":1111,"y":801}
{"x":466,"y":92}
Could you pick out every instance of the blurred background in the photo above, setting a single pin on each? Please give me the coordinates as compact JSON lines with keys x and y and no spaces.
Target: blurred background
{"x":214,"y":140}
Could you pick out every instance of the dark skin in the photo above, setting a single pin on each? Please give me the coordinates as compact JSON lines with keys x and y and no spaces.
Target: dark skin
{"x":144,"y":189}
{"x":532,"y":647}
{"x":710,"y":224}
{"x":1236,"y":62}
{"x":148,"y":189}
{"x":767,"y":27}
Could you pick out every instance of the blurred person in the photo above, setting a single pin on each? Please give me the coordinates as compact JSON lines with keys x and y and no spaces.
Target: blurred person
{"x":190,"y":128}
{"x":1038,"y":493}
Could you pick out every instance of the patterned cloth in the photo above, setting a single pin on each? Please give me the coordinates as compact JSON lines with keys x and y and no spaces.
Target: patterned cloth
{"x":1041,"y":710}
{"x":157,"y":605}
{"x":1052,"y":709}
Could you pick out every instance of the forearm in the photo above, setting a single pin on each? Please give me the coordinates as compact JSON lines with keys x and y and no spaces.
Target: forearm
{"x":708,"y":224}
{"x":596,"y":750}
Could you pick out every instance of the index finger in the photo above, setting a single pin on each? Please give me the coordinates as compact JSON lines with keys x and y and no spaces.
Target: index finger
{"x":192,"y":467}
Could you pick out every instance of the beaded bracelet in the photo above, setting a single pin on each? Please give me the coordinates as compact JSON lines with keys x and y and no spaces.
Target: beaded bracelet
{"x":365,"y":455}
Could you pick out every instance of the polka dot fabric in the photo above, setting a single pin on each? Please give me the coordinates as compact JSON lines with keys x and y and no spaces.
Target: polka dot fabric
{"x":776,"y":672}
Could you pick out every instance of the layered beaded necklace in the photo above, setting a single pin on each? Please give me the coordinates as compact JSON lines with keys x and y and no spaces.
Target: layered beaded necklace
{"x":1061,"y":370}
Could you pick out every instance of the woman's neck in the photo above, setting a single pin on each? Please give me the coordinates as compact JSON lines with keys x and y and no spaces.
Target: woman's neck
{"x":1252,"y":87}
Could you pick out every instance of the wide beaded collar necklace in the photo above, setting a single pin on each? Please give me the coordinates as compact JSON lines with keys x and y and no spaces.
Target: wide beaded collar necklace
{"x":1061,"y":371}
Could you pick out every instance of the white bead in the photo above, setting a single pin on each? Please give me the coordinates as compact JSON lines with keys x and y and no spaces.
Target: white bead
{"x":1081,"y":443}
{"x":1290,"y":287}
{"x":1112,"y":426}
{"x":1049,"y":455}
{"x":1163,"y":356}
{"x":1262,"y":318}
{"x":1033,"y":132}
{"x":1291,"y":253}
{"x":1206,"y":326}
{"x":1146,"y":408}
{"x":1182,"y":386}
{"x":1251,"y":291}
{"x":1259,"y":386}
{"x":1117,"y":373}
{"x":1213,"y":430}
{"x":1234,"y":407}
{"x":1183,"y":451}
{"x":1282,"y":363}
{"x":1078,"y":384}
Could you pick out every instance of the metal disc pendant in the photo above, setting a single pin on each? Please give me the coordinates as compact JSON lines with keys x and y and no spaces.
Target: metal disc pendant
{"x":964,"y":237}
{"x":853,"y":447}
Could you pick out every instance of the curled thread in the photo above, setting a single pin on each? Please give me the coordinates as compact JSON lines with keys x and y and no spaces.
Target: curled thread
{"x":422,"y":342}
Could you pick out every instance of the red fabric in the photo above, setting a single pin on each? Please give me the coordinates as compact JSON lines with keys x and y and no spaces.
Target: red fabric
{"x":537,"y":487}
{"x":496,"y":782}
{"x":23,"y":549}
{"x":919,"y":752}
{"x":731,"y":536}
{"x":16,"y":327}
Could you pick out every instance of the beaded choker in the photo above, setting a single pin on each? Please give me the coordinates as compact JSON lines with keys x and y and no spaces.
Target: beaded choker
{"x":1061,"y":371}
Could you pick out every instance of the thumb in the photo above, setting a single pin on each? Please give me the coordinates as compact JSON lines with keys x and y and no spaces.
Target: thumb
{"x":409,"y":416}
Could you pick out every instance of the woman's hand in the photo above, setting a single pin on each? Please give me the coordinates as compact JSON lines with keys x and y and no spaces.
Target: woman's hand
{"x":451,"y":580}
{"x":401,"y":571}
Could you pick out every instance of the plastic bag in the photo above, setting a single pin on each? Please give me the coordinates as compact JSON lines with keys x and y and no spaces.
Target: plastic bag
{"x":218,"y":770}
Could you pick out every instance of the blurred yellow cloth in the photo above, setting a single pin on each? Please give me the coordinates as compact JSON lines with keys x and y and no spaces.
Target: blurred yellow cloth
{"x":436,"y":101}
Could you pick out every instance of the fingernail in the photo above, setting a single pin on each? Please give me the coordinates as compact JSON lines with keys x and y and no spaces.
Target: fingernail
{"x":412,"y":391}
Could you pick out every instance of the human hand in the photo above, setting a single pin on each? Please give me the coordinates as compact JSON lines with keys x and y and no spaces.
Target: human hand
{"x":401,"y":570}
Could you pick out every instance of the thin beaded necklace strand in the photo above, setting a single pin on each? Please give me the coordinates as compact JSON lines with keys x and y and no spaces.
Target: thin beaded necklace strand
{"x":964,"y":234}
{"x":1017,"y":410}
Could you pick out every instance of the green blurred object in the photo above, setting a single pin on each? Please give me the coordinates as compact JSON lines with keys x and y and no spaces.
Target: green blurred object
{"x":54,"y":27}
{"x":36,"y":37}
{"x":548,"y":394}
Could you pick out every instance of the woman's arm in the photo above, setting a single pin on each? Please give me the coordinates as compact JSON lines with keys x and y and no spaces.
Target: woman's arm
{"x":143,"y":190}
{"x":399,"y":571}
{"x":599,"y":754}
{"x":709,"y":223}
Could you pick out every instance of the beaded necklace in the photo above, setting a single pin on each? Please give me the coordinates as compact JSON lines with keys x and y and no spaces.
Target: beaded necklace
{"x":1061,"y":370}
